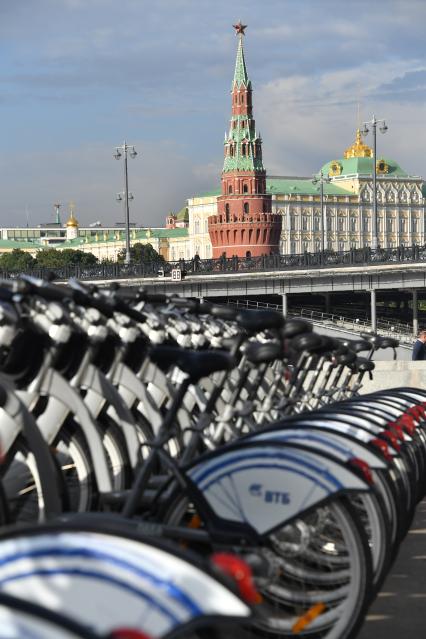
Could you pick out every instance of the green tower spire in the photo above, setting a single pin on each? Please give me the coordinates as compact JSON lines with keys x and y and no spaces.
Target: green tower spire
{"x":243,"y":146}
{"x":240,"y":76}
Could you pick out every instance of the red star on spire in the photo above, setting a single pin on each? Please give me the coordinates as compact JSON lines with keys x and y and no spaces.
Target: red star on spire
{"x":239,"y":28}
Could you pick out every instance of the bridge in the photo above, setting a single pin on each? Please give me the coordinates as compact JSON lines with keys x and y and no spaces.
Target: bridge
{"x":326,"y":273}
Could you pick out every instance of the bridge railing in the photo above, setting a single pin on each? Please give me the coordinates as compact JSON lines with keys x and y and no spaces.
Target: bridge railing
{"x":227,"y":265}
{"x":401,"y":331}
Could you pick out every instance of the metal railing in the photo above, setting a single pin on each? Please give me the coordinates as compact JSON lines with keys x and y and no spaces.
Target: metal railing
{"x":402,"y":332}
{"x":225,"y":265}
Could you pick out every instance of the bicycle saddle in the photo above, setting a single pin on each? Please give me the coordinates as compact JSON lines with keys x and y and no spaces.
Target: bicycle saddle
{"x":374,"y":339}
{"x":196,"y":364}
{"x":362,"y":365}
{"x":389,"y":342}
{"x":357,"y":345}
{"x":254,"y":321}
{"x":343,"y":359}
{"x":294,"y":327}
{"x":262,"y":353}
{"x":306,"y":342}
{"x":221,"y":312}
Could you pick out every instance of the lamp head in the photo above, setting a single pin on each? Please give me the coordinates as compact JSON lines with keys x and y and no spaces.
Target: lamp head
{"x":119,"y":197}
{"x":383,"y":128}
{"x":130,"y":196}
{"x":133,"y":153}
{"x":117,"y":155}
{"x":365,"y":130}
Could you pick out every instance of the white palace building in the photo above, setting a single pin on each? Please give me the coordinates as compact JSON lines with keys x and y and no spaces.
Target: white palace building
{"x":348,"y":202}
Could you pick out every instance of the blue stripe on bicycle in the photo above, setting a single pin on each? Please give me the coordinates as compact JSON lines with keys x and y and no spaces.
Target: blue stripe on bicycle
{"x":79,"y":572}
{"x":284,"y":436}
{"x":86,"y":553}
{"x":199,"y":474}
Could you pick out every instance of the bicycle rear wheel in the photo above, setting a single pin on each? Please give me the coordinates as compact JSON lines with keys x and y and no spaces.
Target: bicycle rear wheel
{"x":321,"y":560}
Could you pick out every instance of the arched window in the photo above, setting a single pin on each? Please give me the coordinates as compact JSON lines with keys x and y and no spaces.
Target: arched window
{"x":246,"y":208}
{"x":245,"y":188}
{"x":243,"y":149}
{"x":196,"y":226}
{"x":227,"y":212}
{"x":230,"y":188}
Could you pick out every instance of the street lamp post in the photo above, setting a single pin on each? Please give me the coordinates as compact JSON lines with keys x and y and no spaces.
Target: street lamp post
{"x":383,"y":128}
{"x":125,"y":196}
{"x":322,"y":179}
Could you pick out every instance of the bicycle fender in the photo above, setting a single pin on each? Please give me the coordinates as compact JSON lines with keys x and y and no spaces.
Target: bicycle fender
{"x":335,"y":444}
{"x":265,"y":485}
{"x":106,"y":581}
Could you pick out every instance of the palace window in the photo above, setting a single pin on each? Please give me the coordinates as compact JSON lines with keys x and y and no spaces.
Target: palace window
{"x":329,"y":223}
{"x":402,"y":225}
{"x":304,"y":246}
{"x":196,"y":227}
{"x":304,"y":223}
{"x":353,"y":223}
{"x":341,"y":246}
{"x":414,"y":225}
{"x":340,"y":224}
{"x":365,"y":224}
{"x":292,"y":223}
{"x":389,"y":225}
{"x":317,"y":246}
{"x":292,"y":247}
{"x":316,"y":223}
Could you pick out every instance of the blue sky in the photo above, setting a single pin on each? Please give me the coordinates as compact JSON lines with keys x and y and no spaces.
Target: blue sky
{"x":77,"y":77}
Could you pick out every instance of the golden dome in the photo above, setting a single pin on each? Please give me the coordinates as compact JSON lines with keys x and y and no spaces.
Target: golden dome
{"x":72,"y":221}
{"x":358,"y":149}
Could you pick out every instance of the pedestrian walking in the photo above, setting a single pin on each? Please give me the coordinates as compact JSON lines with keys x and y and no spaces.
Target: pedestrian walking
{"x":419,"y":347}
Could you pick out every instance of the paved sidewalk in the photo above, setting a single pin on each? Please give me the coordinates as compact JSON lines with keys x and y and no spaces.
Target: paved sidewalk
{"x":399,"y":612}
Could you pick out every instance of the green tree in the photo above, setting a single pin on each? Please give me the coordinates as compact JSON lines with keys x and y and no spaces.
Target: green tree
{"x":54,"y":258}
{"x":75,"y":256}
{"x":140,"y":253}
{"x":17,"y":260}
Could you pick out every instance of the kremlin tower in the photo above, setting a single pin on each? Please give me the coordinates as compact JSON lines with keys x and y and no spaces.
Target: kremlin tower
{"x":244,"y":225}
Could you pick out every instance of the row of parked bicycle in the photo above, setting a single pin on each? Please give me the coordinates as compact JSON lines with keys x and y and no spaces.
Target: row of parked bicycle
{"x":174,"y":468}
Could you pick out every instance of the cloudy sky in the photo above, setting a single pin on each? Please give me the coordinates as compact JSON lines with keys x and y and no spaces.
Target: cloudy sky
{"x":78,"y":77}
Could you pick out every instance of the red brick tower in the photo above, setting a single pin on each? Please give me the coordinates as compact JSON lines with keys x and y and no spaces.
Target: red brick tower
{"x":244,"y":224}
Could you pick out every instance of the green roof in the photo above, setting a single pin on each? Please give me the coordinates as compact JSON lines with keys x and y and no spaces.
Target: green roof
{"x":214,"y":193}
{"x":364,"y":166}
{"x":289,"y":186}
{"x":111,"y":237}
{"x":240,"y":74}
{"x":183,"y":215}
{"x":19,"y":244}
